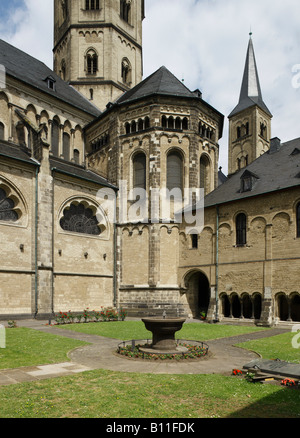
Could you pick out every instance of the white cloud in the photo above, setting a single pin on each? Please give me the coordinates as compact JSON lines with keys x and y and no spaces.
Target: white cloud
{"x":203,"y":42}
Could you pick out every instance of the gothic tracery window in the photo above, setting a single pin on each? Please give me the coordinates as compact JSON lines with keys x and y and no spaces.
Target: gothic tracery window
{"x":80,"y":219}
{"x":7,"y":208}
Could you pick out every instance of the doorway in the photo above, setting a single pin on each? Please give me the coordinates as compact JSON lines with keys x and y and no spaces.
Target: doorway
{"x":198,"y":294}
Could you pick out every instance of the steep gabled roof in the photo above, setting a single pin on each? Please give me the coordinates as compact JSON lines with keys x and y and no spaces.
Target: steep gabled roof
{"x":25,"y":68}
{"x":277,"y":169}
{"x":250,"y":91}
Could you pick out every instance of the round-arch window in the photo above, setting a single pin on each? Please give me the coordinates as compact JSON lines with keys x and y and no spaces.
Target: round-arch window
{"x":79,"y":219}
{"x":7,"y":208}
{"x":174,"y":171}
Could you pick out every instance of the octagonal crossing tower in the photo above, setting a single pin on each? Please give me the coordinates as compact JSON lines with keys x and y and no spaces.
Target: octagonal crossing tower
{"x":98,"y":46}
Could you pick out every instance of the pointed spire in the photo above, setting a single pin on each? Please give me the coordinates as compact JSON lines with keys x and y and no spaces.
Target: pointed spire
{"x":250,"y":91}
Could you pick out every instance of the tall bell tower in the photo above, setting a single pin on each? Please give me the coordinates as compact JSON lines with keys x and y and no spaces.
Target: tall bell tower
{"x":98,"y":46}
{"x":250,"y":121}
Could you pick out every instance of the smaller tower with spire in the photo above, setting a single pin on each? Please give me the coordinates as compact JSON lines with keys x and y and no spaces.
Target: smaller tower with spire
{"x":250,"y":121}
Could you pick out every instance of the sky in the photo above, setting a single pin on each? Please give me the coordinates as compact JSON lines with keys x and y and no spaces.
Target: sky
{"x":204,"y":43}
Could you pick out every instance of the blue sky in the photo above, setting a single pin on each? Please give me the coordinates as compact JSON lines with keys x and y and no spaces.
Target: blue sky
{"x":203,"y":42}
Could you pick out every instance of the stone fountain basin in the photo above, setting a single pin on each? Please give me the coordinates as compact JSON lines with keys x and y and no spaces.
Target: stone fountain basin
{"x":163,"y":333}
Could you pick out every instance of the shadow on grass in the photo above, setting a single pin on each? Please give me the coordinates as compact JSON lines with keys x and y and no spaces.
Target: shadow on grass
{"x":284,"y":403}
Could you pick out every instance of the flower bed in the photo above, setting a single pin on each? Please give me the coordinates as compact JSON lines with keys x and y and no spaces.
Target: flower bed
{"x":133,"y":351}
{"x":105,"y":314}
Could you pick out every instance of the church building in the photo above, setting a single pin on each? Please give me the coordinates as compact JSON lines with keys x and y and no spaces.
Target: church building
{"x":94,"y":126}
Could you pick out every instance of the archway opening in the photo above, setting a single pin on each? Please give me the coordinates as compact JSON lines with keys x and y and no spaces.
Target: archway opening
{"x":295,"y":308}
{"x":198,"y":294}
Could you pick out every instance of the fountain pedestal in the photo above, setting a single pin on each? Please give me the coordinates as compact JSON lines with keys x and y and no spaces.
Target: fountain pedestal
{"x":163,"y":334}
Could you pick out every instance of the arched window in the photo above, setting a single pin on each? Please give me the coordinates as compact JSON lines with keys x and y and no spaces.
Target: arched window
{"x":7,"y":208}
{"x":164,"y":121}
{"x":241,"y":229}
{"x":139,"y":171}
{"x":91,"y":62}
{"x":174,"y":171}
{"x":178,"y":124}
{"x":147,"y":122}
{"x":55,"y":138}
{"x":204,"y":174}
{"x":171,"y":122}
{"x":298,"y":219}
{"x":140,"y":125}
{"x":76,"y":156}
{"x":127,"y":128}
{"x":126,"y":72}
{"x":63,"y":68}
{"x":1,"y":131}
{"x":185,"y":123}
{"x":125,"y":6}
{"x":66,"y":146}
{"x":80,"y":219}
{"x":133,"y":126}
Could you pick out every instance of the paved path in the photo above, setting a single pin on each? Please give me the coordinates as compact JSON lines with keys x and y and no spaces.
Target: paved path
{"x":101,"y":354}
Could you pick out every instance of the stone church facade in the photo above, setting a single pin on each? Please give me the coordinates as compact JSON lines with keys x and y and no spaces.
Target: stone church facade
{"x":94,"y":126}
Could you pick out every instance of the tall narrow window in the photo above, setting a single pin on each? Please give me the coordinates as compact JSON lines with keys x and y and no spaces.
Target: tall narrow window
{"x":1,"y":131}
{"x":298,"y":219}
{"x":241,"y":229}
{"x":174,"y":171}
{"x":54,"y":138}
{"x":125,"y":6}
{"x":66,"y":146}
{"x":126,"y":72}
{"x":139,"y":171}
{"x":76,"y":156}
{"x":204,"y":174}
{"x":91,"y":62}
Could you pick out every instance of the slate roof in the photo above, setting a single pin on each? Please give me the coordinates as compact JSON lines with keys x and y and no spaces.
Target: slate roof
{"x":16,"y":152}
{"x":277,"y":169}
{"x":161,"y":82}
{"x":25,"y":68}
{"x":60,"y":166}
{"x":250,"y":91}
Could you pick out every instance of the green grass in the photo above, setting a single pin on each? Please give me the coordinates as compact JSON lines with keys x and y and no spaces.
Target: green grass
{"x":108,"y":394}
{"x":275,"y":347}
{"x":28,"y":347}
{"x":136,"y":330}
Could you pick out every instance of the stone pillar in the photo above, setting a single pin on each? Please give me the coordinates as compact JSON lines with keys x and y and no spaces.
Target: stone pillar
{"x":267,"y":311}
{"x":45,"y":237}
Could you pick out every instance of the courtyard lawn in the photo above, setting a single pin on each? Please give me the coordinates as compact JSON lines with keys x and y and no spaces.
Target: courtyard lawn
{"x":107,"y":394}
{"x":276,"y":347}
{"x":28,"y":347}
{"x":127,"y":330}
